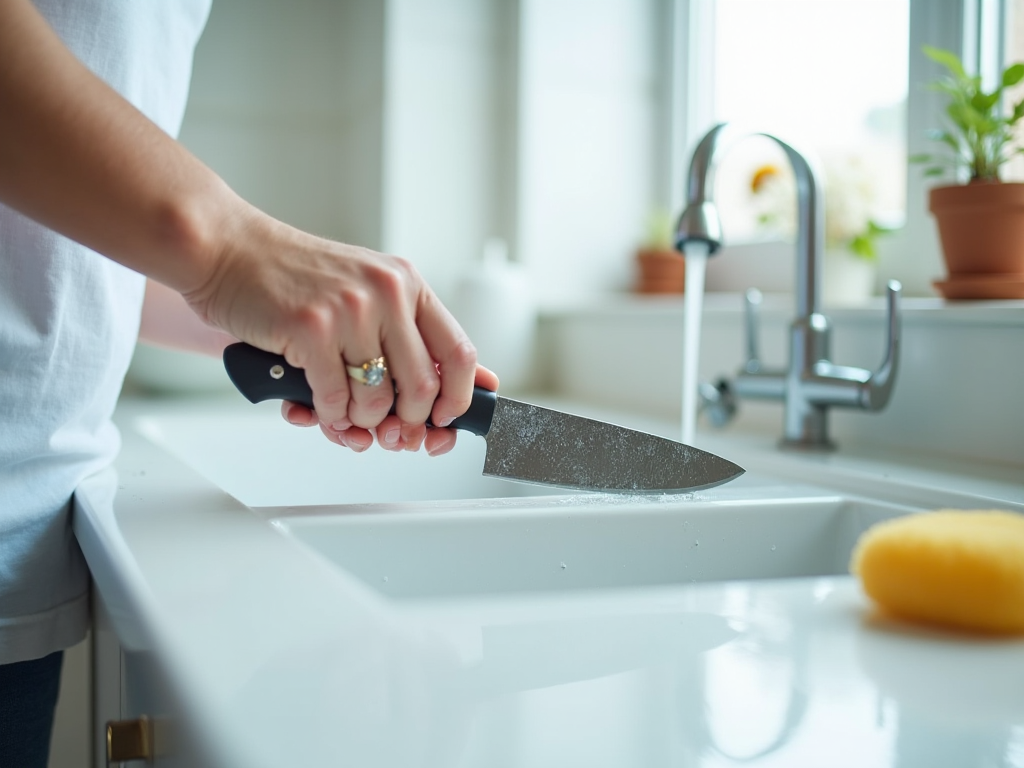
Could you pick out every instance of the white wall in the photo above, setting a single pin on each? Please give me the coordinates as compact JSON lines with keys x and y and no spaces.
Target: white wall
{"x":423,"y":128}
{"x":286,"y":105}
{"x":589,"y":114}
{"x":533,"y":120}
{"x":447,"y":143}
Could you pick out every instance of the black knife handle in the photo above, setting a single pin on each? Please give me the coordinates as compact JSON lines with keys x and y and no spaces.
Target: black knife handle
{"x":263,"y":375}
{"x":260,"y":376}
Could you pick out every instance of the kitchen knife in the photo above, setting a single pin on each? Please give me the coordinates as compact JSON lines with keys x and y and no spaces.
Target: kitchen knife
{"x":525,"y":442}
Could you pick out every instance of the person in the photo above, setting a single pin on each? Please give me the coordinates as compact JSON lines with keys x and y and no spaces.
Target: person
{"x":110,"y":230}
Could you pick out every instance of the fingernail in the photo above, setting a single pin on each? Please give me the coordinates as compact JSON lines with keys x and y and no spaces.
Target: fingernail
{"x":392,"y":435}
{"x":358,"y":445}
{"x":341,"y":426}
{"x":446,"y":422}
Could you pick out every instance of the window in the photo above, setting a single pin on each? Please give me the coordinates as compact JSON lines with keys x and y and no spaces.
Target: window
{"x":829,"y":75}
{"x":736,"y":51}
{"x":1014,"y":41}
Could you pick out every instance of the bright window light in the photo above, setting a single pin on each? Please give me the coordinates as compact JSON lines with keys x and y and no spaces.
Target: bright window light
{"x":828,"y":75}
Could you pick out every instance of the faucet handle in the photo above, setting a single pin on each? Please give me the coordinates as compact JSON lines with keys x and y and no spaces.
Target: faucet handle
{"x":751,"y":306}
{"x":879,"y":387}
{"x":718,"y":401}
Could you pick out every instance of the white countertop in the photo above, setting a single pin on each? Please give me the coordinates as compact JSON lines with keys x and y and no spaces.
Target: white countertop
{"x":278,"y":657}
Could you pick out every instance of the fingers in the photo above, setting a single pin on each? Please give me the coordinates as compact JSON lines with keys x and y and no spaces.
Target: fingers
{"x":326,"y":305}
{"x":416,"y":378}
{"x":389,"y":434}
{"x":455,"y":358}
{"x":298,"y":415}
{"x":356,"y":438}
{"x":328,"y":379}
{"x":369,"y":403}
{"x":413,"y":435}
{"x":486,"y":378}
{"x":394,"y":435}
{"x":439,"y":441}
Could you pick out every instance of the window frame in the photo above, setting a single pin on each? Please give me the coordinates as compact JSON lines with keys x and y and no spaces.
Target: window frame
{"x":976,"y":30}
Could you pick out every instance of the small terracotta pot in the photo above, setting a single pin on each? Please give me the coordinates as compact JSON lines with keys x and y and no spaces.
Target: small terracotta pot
{"x":660,"y":271}
{"x":981,"y":227}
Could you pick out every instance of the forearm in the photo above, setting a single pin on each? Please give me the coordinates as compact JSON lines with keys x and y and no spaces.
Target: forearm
{"x":80,"y":159}
{"x":168,"y":321}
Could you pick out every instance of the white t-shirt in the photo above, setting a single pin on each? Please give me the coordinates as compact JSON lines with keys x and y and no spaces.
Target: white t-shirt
{"x":69,"y":319}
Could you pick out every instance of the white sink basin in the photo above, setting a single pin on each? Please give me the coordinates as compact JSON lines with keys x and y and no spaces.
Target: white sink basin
{"x":411,"y":526}
{"x":415,"y":527}
{"x":588,"y":543}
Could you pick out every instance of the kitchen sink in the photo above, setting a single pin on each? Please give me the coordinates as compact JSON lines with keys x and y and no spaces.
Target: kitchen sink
{"x":586,"y":542}
{"x":415,"y":527}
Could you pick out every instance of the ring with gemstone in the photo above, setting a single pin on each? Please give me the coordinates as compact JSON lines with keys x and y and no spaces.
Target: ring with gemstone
{"x":371,"y":373}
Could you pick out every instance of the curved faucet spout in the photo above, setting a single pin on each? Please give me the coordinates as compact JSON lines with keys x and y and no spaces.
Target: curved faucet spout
{"x":812,"y":383}
{"x":700,"y":222}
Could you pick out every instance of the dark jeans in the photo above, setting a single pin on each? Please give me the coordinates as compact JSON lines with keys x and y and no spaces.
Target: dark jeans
{"x":28,"y":697}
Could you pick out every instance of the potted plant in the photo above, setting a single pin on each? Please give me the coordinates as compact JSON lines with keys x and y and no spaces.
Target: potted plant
{"x":980,"y":218}
{"x":661,"y":268}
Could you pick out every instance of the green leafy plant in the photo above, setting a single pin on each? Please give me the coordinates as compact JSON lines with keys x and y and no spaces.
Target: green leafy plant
{"x":980,"y":136}
{"x":660,"y":230}
{"x":865,"y":244}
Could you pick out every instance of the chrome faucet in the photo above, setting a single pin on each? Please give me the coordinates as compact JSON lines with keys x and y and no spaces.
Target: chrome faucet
{"x":812,"y":384}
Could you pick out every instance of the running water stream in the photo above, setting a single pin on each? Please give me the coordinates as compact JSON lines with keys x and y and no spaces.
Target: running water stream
{"x":696,"y":260}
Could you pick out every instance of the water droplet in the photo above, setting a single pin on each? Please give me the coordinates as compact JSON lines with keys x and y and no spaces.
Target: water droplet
{"x":563,"y":566}
{"x":696,"y":543}
{"x":385,"y":579}
{"x":773,"y":547}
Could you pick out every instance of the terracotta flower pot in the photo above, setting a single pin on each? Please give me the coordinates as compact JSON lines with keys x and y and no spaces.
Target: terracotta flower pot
{"x":660,"y":271}
{"x":981,"y":227}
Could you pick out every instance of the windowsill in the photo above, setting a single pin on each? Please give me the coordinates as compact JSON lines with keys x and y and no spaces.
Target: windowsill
{"x":913,"y":310}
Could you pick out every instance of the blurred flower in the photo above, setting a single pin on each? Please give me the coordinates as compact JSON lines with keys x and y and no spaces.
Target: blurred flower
{"x":851,"y":205}
{"x":762,"y":176}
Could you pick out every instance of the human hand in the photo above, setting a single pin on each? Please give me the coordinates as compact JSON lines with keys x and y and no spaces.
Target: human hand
{"x":391,"y":433}
{"x":114,"y":181}
{"x":324,"y":305}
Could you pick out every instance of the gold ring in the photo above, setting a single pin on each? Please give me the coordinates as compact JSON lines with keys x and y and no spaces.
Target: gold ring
{"x":371,"y":373}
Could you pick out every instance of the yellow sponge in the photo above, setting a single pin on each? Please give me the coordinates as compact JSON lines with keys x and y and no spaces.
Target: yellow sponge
{"x":953,"y":568}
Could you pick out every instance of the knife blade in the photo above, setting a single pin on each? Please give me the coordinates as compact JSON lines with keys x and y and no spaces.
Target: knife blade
{"x":527,"y":443}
